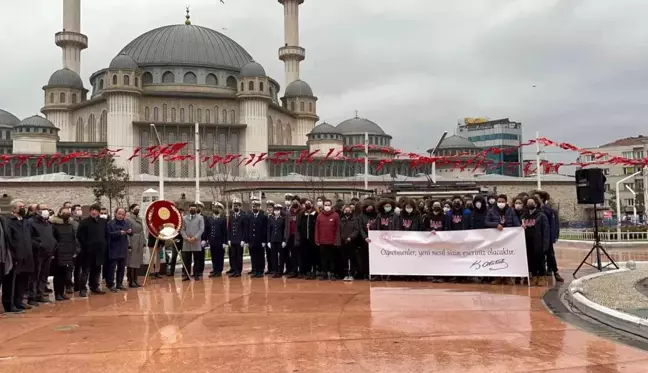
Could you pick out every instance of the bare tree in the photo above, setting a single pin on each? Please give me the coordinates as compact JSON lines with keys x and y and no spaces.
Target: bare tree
{"x":222,"y":177}
{"x":314,"y":184}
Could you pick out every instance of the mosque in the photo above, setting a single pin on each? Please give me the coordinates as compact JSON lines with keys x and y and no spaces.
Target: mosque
{"x":163,"y":82}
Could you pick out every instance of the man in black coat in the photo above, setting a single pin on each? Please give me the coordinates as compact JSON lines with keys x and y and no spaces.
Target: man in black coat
{"x":20,"y":247}
{"x":257,"y":236}
{"x":44,"y":239}
{"x":305,"y":241}
{"x":237,"y":236}
{"x":66,"y":251}
{"x":93,"y":238}
{"x":216,"y":228}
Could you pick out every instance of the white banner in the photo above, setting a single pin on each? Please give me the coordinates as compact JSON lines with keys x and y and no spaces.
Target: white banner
{"x":479,"y":252}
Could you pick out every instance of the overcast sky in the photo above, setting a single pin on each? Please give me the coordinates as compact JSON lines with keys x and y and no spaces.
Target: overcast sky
{"x":412,"y":66}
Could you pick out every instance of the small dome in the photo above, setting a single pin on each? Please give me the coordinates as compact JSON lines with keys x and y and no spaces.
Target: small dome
{"x":359,"y":125}
{"x":123,"y":62}
{"x":252,"y":69}
{"x":456,"y":142}
{"x":324,"y":128}
{"x":7,"y":119}
{"x":36,"y":121}
{"x":298,"y":88}
{"x":65,"y":78}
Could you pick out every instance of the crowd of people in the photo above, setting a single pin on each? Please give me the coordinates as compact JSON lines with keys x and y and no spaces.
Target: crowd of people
{"x":305,"y":239}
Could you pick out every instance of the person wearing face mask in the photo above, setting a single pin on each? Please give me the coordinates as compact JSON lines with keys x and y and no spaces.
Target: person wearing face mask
{"x":258,"y":234}
{"x":43,"y":244}
{"x":75,"y":218}
{"x":349,"y":231}
{"x":478,"y":215}
{"x":554,"y":231}
{"x":217,"y":238}
{"x":136,"y":245}
{"x":492,"y":201}
{"x":502,"y":216}
{"x":66,"y":250}
{"x":319,"y":205}
{"x":518,"y":207}
{"x":237,"y":236}
{"x":366,"y":220}
{"x":291,"y":251}
{"x":276,"y":239}
{"x":20,"y":255}
{"x":447,"y":206}
{"x":386,"y":220}
{"x":193,"y":226}
{"x":410,"y":218}
{"x":268,"y":252}
{"x":455,"y":218}
{"x":118,"y":245}
{"x":93,"y":238}
{"x":103,"y":214}
{"x":327,"y":237}
{"x":538,"y":238}
{"x":434,"y":220}
{"x":305,"y":240}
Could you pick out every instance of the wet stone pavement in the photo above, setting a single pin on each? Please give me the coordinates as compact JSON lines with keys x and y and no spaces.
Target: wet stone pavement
{"x":277,"y":325}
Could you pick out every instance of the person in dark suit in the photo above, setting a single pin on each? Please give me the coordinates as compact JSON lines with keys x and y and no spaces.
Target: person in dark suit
{"x":93,"y":238}
{"x":216,"y":227}
{"x":277,"y":239}
{"x":237,"y":236}
{"x":257,"y":235}
{"x":20,"y":248}
{"x":268,"y":252}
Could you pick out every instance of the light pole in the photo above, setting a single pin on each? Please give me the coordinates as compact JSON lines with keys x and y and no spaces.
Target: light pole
{"x":433,"y":153}
{"x":197,"y":161}
{"x":618,"y":202}
{"x":634,"y":202}
{"x":161,"y":162}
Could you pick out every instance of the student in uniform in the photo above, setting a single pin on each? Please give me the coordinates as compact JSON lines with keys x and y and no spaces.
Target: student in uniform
{"x":502,"y":216}
{"x":276,"y":240}
{"x":538,"y":239}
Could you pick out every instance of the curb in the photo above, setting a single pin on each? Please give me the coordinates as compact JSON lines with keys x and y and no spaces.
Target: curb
{"x":613,"y":318}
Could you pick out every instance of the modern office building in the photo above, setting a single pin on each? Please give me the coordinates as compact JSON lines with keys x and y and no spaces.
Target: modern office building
{"x":499,"y":133}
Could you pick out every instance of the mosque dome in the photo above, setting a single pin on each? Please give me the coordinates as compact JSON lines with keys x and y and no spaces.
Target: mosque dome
{"x":65,"y":78}
{"x":323,"y":128}
{"x":36,"y":121}
{"x":186,"y":45}
{"x":457,"y":142}
{"x":359,"y":125}
{"x":253,"y":69}
{"x":123,"y":62}
{"x":298,"y":88}
{"x":7,"y":119}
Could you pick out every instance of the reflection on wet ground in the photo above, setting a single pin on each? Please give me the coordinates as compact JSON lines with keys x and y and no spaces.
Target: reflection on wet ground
{"x":273,"y":325}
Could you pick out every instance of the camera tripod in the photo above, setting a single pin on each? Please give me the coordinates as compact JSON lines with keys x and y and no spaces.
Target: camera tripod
{"x":597,"y":246}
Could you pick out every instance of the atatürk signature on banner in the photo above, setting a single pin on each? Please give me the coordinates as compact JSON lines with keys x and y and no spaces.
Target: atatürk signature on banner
{"x":492,"y":265}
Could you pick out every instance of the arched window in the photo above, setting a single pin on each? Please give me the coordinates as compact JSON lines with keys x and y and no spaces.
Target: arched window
{"x":168,"y":77}
{"x":182,"y":117}
{"x":242,"y":86}
{"x":224,"y":118}
{"x":164,"y":113}
{"x":52,"y":98}
{"x":270,"y":131}
{"x":147,"y":78}
{"x":207,"y":116}
{"x":310,"y":107}
{"x":114,"y":79}
{"x":199,"y":116}
{"x":251,"y":86}
{"x":232,"y":116}
{"x":92,"y":128}
{"x":173,"y":114}
{"x":292,"y":106}
{"x":191,"y":114}
{"x":190,"y":78}
{"x":261,"y":86}
{"x":103,"y":126}
{"x":79,"y":130}
{"x":171,"y":164}
{"x":126,"y":80}
{"x":288,"y":133}
{"x":155,"y":114}
{"x":74,"y":98}
{"x":211,"y":79}
{"x":301,"y":106}
{"x":147,"y":113}
{"x":216,"y":112}
{"x":62,"y":97}
{"x":136,"y":82}
{"x":101,"y":84}
{"x":231,"y":82}
{"x":279,"y":134}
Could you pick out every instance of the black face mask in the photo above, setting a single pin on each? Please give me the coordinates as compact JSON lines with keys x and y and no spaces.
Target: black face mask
{"x":21,"y":212}
{"x":255,"y":210}
{"x":65,"y":217}
{"x":457,"y":205}
{"x":436,"y":208}
{"x":370,"y":211}
{"x":192,"y":212}
{"x":309,"y":206}
{"x":236,"y":209}
{"x":136,"y":212}
{"x":295,"y":205}
{"x":347,"y":213}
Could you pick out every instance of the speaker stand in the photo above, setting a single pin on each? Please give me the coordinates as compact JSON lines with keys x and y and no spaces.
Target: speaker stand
{"x":597,"y":246}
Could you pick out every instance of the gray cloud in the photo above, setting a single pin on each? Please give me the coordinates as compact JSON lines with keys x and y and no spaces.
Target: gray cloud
{"x":412,"y":66}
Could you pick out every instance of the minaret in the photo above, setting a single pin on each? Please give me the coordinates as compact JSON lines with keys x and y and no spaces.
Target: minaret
{"x":291,"y":53}
{"x":71,"y":40}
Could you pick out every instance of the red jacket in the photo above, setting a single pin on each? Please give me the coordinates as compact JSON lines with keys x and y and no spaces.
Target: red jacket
{"x":327,"y":228}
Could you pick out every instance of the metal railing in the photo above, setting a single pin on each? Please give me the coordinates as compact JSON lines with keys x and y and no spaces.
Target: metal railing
{"x":588,"y":235}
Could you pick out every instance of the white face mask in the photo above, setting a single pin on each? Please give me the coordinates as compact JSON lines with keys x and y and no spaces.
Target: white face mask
{"x":45,"y":214}
{"x":446,"y":209}
{"x":327,"y":208}
{"x":409,"y":210}
{"x":397,"y":210}
{"x":501,"y":205}
{"x":387,"y":208}
{"x":518,"y":206}
{"x":478,"y":205}
{"x":491,"y":201}
{"x":277,"y":212}
{"x":287,"y":203}
{"x":320,"y":203}
{"x":103,"y":216}
{"x":79,"y":213}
